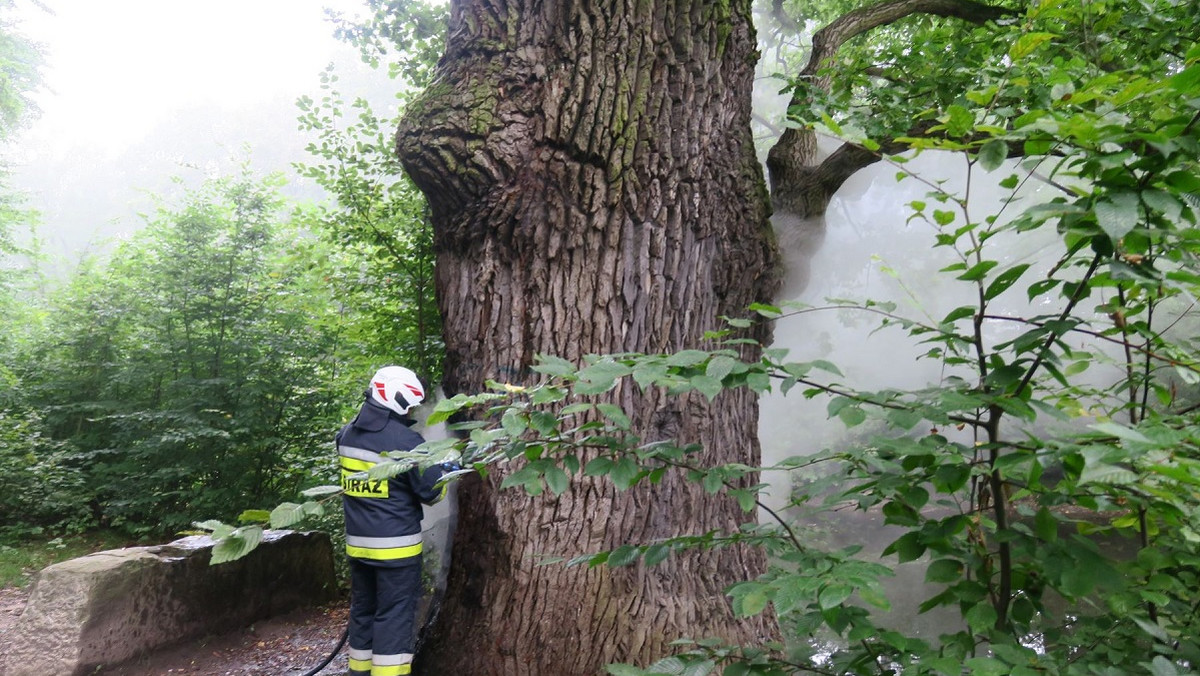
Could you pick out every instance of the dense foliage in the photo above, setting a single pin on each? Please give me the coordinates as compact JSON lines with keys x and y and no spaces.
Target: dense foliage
{"x":1049,"y":483}
{"x":190,"y":372}
{"x":200,"y":369}
{"x":20,"y":76}
{"x":204,"y":365}
{"x":379,"y":224}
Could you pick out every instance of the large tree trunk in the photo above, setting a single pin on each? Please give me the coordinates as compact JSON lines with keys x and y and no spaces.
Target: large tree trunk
{"x":594,"y":189}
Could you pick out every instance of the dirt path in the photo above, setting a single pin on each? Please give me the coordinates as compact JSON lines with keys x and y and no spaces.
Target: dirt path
{"x":288,"y":645}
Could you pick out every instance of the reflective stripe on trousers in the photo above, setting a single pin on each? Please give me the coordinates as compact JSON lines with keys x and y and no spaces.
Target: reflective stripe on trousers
{"x":360,"y":661}
{"x":363,"y":662}
{"x":391,"y":665}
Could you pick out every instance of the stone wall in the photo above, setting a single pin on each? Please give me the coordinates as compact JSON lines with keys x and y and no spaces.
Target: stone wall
{"x":114,"y":605}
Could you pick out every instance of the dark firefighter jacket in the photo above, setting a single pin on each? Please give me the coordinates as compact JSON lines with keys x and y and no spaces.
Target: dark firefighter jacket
{"x":383,"y":517}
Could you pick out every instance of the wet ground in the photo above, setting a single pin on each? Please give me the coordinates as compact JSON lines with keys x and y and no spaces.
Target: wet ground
{"x":288,"y":645}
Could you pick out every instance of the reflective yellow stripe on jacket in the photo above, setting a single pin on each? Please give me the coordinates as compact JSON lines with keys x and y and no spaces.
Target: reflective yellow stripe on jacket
{"x":383,"y":549}
{"x":362,"y":487}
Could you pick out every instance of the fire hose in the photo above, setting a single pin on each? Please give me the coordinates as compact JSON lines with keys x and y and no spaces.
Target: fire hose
{"x":336,"y":649}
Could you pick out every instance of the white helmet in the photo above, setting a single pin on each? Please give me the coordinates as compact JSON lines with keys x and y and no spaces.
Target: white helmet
{"x":397,"y":388}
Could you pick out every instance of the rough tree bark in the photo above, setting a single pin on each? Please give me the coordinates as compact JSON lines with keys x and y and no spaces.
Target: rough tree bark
{"x":594,"y":189}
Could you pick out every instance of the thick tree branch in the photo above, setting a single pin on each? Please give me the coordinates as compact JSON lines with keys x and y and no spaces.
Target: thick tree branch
{"x":798,"y":186}
{"x":829,"y":39}
{"x":785,"y":20}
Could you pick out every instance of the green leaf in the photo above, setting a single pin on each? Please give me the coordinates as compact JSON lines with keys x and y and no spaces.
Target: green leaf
{"x":1041,"y":286}
{"x":978,"y":271}
{"x":907,"y":547}
{"x":570,"y":463}
{"x":701,"y":668}
{"x":992,"y":154}
{"x":624,"y":555}
{"x":1117,"y":214}
{"x":285,"y":515}
{"x":646,"y":374}
{"x":944,"y":571}
{"x":768,"y":311}
{"x":758,"y":381}
{"x":1154,"y":629}
{"x":832,"y":596}
{"x":254,"y":515}
{"x":615,"y":414}
{"x":720,"y":366}
{"x":656,"y":554}
{"x":852,"y":416}
{"x":981,"y":618}
{"x":826,"y":366}
{"x":1101,"y":473}
{"x":753,"y":602}
{"x":791,"y":591}
{"x":544,"y":422}
{"x":875,"y":598}
{"x":238,"y":544}
{"x":1079,"y":580}
{"x":903,"y":418}
{"x":1046,"y":525}
{"x":1005,"y":280}
{"x":446,"y":408}
{"x":553,"y":366}
{"x":713,"y":482}
{"x":557,"y":480}
{"x":1161,"y":666}
{"x":687,"y":358}
{"x":318,"y":491}
{"x":958,"y":313}
{"x":1120,"y":431}
{"x":528,"y":475}
{"x":600,"y":376}
{"x":1187,"y":80}
{"x":514,"y":423}
{"x":211,"y":524}
{"x":547,"y":395}
{"x":1038,"y":146}
{"x":746,"y":499}
{"x":598,"y":466}
{"x":667,"y":665}
{"x":709,"y":387}
{"x":959,"y":121}
{"x":1027,"y":43}
{"x":624,"y":473}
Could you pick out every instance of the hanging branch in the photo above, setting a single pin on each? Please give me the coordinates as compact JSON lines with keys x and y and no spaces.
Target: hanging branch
{"x":797,"y":185}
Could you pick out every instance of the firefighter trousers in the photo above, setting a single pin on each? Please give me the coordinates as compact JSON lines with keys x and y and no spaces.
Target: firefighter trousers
{"x":383,"y":610}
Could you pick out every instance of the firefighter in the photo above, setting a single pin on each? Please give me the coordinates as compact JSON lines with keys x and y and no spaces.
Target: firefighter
{"x":383,"y":525}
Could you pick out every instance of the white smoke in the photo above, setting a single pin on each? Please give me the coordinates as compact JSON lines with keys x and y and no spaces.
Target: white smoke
{"x":867,"y":247}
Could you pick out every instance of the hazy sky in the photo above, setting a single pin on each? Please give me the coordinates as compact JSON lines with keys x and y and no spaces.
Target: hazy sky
{"x":135,"y":89}
{"x":117,"y":67}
